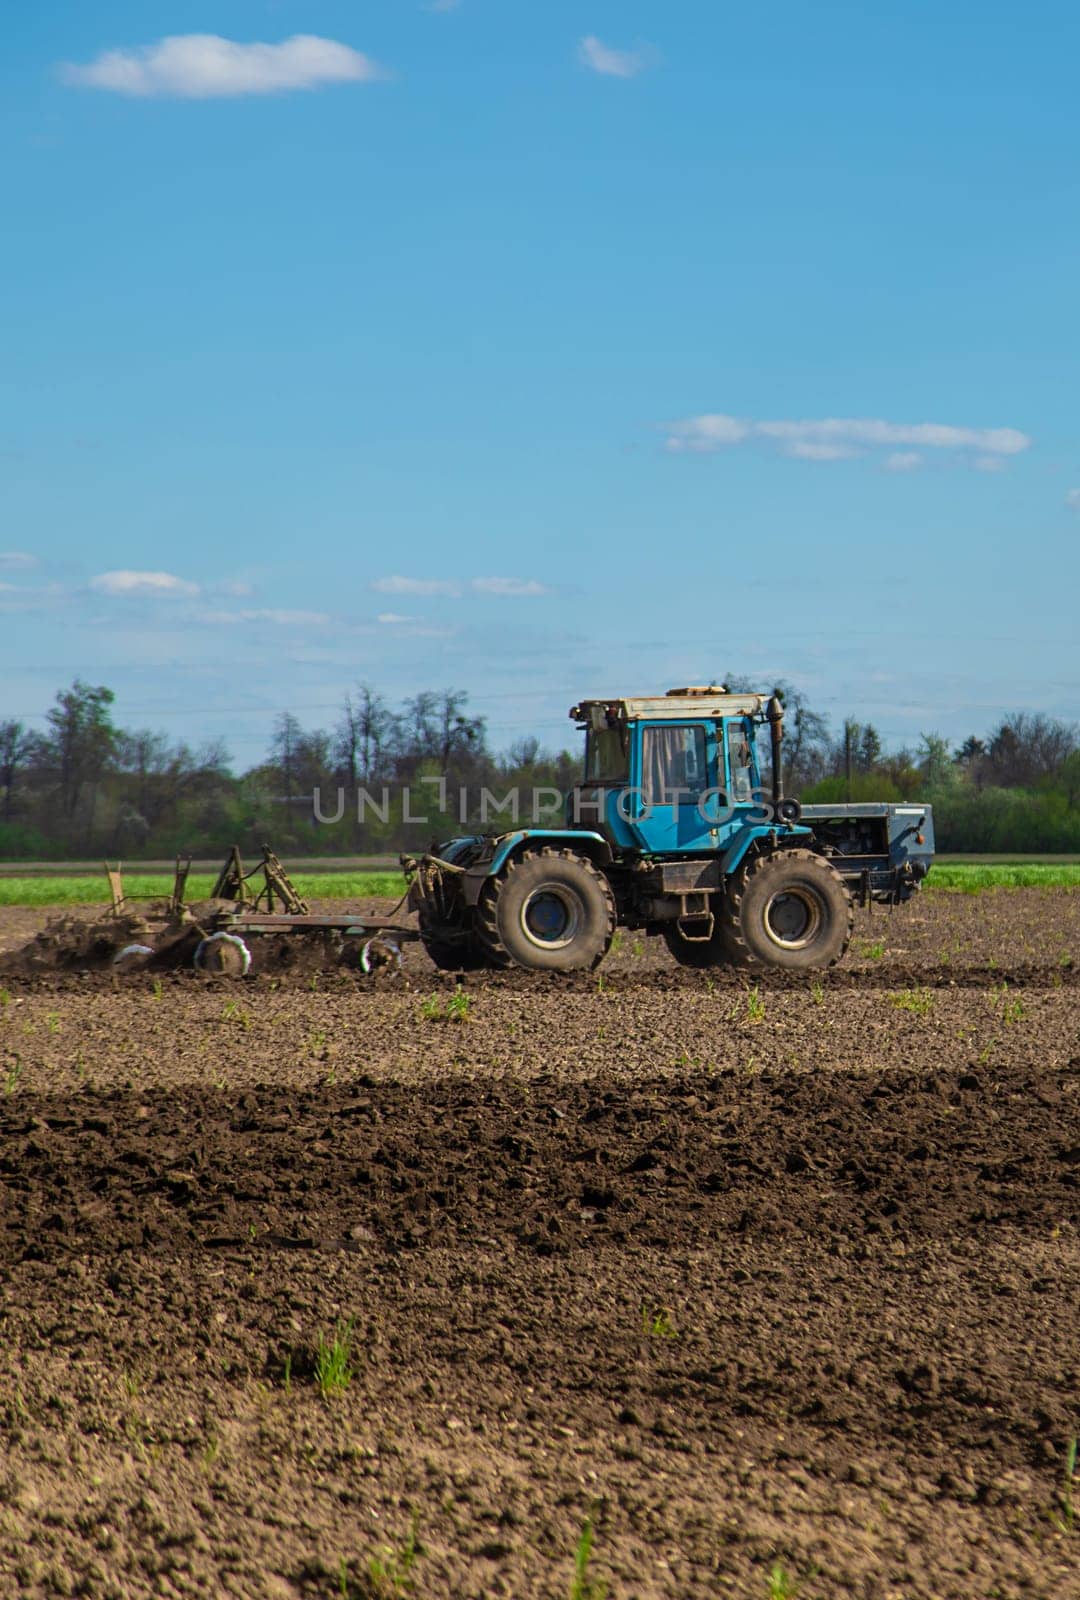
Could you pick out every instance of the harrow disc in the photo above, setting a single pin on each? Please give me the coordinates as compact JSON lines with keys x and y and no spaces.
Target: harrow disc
{"x":223,"y":955}
{"x":380,"y":954}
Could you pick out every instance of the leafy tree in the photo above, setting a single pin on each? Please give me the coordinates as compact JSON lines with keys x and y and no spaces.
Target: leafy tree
{"x":936,"y":764}
{"x":81,"y":742}
{"x":869,"y":748}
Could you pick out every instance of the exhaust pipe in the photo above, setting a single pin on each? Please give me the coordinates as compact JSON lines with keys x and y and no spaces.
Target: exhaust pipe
{"x":783,"y":810}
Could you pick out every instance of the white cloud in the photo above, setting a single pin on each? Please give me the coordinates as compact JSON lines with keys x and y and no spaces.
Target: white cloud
{"x":903,"y":461}
{"x":392,"y":617}
{"x":839,"y":438}
{"x":818,"y":450}
{"x":203,"y":66}
{"x":126,"y":582}
{"x":16,"y":560}
{"x":611,"y":63}
{"x":1072,"y":499}
{"x":281,"y":619}
{"x":453,"y":588}
{"x":234,"y":587}
{"x":509,"y":586}
{"x":423,"y":586}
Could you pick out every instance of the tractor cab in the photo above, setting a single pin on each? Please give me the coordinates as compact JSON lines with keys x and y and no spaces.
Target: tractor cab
{"x":673,"y":774}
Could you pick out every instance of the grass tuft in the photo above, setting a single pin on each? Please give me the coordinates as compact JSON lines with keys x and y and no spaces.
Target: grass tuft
{"x":583,"y":1585}
{"x":918,"y":1001}
{"x":1065,"y":1522}
{"x":333,"y":1359}
{"x":390,"y":1571}
{"x":782,"y":1585}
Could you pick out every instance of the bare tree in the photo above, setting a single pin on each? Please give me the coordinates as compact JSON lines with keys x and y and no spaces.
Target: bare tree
{"x":1028,"y":747}
{"x":17,"y":746}
{"x":365,"y":736}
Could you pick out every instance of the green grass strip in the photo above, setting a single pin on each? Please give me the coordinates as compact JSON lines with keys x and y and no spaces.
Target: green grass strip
{"x":77,"y":891}
{"x":957,"y":878}
{"x":969,"y":878}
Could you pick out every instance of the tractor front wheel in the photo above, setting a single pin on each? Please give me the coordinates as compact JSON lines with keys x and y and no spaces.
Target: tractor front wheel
{"x":548,"y":911}
{"x":790,"y":910}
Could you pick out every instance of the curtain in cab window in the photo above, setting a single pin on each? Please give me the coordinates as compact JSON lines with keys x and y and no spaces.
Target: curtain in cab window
{"x":673,"y":758}
{"x":739,"y":761}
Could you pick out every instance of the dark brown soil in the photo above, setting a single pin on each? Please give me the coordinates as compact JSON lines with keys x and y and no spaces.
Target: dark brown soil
{"x":782,"y":1276}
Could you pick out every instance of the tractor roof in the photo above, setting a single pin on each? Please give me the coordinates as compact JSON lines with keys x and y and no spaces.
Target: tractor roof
{"x":678,"y":705}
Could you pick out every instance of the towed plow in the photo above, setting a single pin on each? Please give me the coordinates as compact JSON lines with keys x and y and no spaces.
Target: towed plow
{"x":219,"y":936}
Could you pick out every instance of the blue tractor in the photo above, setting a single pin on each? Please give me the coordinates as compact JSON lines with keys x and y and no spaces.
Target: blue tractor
{"x":670,"y":832}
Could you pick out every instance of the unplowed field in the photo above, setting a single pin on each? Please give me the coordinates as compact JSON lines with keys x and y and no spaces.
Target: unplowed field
{"x":778,"y":1284}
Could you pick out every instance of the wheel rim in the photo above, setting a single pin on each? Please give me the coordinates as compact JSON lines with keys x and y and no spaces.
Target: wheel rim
{"x":793,"y":917}
{"x":551,"y":916}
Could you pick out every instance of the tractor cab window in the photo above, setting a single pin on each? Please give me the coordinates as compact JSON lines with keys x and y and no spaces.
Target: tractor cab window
{"x":673,"y":759}
{"x":607,"y":756}
{"x":740,"y":763}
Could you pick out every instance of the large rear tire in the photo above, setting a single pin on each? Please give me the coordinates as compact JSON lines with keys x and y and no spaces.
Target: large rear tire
{"x":789,"y":910}
{"x":460,"y":954}
{"x":547,"y":911}
{"x":711,"y":952}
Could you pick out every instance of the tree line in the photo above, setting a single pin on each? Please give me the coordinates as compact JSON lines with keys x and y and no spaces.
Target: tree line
{"x":87,"y":787}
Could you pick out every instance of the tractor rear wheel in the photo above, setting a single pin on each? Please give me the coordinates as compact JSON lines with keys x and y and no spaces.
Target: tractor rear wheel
{"x":790,"y":910}
{"x":548,"y":911}
{"x":711,"y":952}
{"x":450,"y":953}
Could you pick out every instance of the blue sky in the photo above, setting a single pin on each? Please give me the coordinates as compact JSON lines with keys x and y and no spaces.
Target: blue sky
{"x":539,"y":350}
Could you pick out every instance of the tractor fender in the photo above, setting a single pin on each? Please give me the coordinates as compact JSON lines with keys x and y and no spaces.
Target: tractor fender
{"x":736,"y":852}
{"x":509,"y":845}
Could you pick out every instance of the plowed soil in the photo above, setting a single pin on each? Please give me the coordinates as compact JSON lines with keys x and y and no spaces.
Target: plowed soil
{"x":776,"y":1283}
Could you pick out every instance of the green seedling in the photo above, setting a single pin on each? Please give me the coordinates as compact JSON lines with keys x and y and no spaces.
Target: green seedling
{"x":637,"y":949}
{"x":459,"y":1006}
{"x":12,"y":1075}
{"x":431,"y":1008}
{"x":584,"y":1586}
{"x":286,"y":1376}
{"x":782,"y":1585}
{"x":755,"y":1005}
{"x":233,"y":1013}
{"x":874,"y":952}
{"x":156,"y":988}
{"x":657,"y":1324}
{"x":617,"y":942}
{"x":333,"y":1359}
{"x":52,"y":1021}
{"x":1066,"y":1521}
{"x":5,"y":1000}
{"x":817,"y":993}
{"x":390,"y":1572}
{"x":316,"y":1040}
{"x":917,"y":1001}
{"x":1012,"y":1011}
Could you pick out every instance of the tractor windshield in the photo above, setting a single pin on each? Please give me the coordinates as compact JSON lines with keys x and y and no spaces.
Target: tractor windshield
{"x":607,"y":755}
